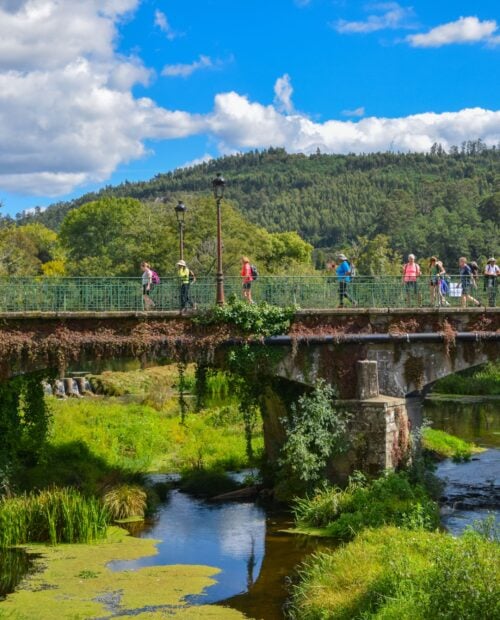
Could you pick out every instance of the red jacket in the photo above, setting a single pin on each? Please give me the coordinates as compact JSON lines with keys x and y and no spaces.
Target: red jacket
{"x":246,"y":272}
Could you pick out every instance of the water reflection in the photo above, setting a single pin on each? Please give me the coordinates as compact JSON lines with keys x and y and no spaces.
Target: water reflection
{"x":14,"y":565}
{"x":228,"y":536}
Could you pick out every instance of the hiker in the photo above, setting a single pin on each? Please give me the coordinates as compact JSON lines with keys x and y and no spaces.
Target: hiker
{"x":247,"y":275}
{"x":186,"y":278}
{"x":147,"y":285}
{"x":344,"y":271}
{"x":411,"y":274}
{"x":434,"y":280}
{"x":474,"y":267}
{"x":443,"y":288}
{"x":491,"y":274}
{"x":466,"y":278}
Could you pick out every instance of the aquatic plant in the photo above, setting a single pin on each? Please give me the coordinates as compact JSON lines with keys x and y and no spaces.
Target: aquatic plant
{"x":125,"y":501}
{"x":53,"y":515}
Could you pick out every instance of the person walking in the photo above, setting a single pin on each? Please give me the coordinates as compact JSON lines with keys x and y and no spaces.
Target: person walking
{"x":443,"y":284}
{"x":466,"y":278}
{"x":147,"y":286}
{"x":434,"y":280}
{"x":411,"y":274}
{"x":246,"y":274}
{"x":186,"y":278}
{"x":344,"y":273}
{"x":491,"y":274}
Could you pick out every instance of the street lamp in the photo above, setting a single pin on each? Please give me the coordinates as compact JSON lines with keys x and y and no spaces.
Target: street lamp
{"x":218,"y":186}
{"x":180,"y":214}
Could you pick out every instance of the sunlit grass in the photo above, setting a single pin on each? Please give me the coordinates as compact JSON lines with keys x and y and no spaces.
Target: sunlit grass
{"x":482,"y":382}
{"x":445,"y":445}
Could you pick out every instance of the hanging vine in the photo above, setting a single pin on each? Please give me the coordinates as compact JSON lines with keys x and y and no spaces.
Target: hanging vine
{"x":183,"y":405}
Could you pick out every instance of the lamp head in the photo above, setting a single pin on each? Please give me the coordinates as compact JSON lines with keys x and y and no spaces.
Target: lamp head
{"x":219,"y":185}
{"x":180,"y":211}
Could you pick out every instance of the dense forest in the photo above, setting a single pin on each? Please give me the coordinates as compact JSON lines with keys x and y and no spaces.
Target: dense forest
{"x":436,"y":203}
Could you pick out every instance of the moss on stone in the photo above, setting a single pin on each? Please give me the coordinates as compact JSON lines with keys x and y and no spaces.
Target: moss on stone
{"x":74,"y":582}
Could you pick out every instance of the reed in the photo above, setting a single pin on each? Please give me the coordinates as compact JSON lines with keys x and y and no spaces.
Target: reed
{"x":54,"y":516}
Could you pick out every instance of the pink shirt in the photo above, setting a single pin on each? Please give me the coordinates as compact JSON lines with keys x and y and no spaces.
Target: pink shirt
{"x":411,"y":272}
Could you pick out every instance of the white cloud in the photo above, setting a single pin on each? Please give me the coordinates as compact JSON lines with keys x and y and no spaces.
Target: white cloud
{"x":464,"y":30}
{"x":386,"y":16}
{"x":283,"y":91}
{"x":185,"y":70}
{"x":161,"y":20}
{"x":355,"y":112}
{"x":67,"y":119}
{"x":204,"y":159}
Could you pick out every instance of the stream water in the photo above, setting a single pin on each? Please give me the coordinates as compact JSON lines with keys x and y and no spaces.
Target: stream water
{"x":257,"y":558}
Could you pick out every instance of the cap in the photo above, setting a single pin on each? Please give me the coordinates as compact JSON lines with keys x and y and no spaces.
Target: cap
{"x":342,"y":256}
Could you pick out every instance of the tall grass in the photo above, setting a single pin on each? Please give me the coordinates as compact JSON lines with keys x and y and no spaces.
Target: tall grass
{"x":444,"y":445}
{"x":126,"y":501}
{"x":54,"y":516}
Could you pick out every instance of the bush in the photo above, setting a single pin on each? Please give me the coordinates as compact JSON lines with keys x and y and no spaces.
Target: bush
{"x":389,"y":500}
{"x":55,"y":516}
{"x":125,"y":501}
{"x":393,"y":574}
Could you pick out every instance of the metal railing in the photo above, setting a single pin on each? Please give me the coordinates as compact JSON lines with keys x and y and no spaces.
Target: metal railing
{"x":307,"y":292}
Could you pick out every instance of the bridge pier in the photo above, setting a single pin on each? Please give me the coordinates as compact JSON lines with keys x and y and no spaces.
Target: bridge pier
{"x":379,"y":433}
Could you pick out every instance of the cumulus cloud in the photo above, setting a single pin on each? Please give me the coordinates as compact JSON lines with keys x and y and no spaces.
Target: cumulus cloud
{"x":283,"y":91}
{"x":204,"y":159}
{"x":161,"y":20}
{"x":355,"y":112}
{"x":185,"y":70}
{"x":238,"y":122}
{"x":385,"y":16}
{"x":68,"y":115}
{"x":463,"y":30}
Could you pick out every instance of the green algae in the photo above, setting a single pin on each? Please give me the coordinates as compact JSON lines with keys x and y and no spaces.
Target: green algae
{"x":74,"y":582}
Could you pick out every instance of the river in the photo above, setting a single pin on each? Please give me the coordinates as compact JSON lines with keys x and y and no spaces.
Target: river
{"x":258,"y":559}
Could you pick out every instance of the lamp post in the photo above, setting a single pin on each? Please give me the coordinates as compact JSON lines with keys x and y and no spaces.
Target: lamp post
{"x":180,"y":214}
{"x":218,"y":186}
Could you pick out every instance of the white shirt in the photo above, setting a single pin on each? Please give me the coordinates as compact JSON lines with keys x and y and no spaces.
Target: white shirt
{"x":146,"y":276}
{"x":492,"y":270}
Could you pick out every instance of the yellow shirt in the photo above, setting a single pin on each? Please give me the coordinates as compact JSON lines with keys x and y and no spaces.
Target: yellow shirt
{"x":183,"y":274}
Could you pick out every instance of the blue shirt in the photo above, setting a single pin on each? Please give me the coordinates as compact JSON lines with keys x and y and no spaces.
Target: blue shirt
{"x":342,"y":270}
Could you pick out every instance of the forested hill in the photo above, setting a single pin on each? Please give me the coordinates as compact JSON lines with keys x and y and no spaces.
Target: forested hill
{"x":436,"y":203}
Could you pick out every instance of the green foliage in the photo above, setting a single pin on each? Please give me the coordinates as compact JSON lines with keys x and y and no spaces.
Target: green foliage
{"x":394,"y":574}
{"x":389,"y":500}
{"x":434,"y":203}
{"x":24,"y":420}
{"x":444,"y":445}
{"x":54,"y":515}
{"x":260,"y":319}
{"x":315,"y":432}
{"x":112,"y":235}
{"x":125,"y":501}
{"x":24,"y":250}
{"x":484,"y":382}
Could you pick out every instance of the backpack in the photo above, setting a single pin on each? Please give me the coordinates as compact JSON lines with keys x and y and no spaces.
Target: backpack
{"x":353,"y":270}
{"x":155,"y":278}
{"x":254,"y":272}
{"x":192,"y":277}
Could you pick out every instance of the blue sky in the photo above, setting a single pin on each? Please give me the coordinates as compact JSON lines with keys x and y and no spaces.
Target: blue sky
{"x":141,"y":87}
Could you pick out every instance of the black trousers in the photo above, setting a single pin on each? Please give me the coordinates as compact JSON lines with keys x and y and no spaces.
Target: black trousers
{"x":185,"y":298}
{"x":343,"y":293}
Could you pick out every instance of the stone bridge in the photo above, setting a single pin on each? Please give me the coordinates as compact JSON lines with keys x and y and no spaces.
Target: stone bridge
{"x":375,"y":358}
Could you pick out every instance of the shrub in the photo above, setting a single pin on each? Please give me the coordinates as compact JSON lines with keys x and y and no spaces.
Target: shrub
{"x":485,"y":381}
{"x":125,"y":501}
{"x":54,"y":515}
{"x":394,"y":574}
{"x":207,"y":483}
{"x":389,"y":500}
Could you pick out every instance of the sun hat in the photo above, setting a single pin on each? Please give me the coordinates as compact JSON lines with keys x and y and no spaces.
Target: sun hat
{"x":182,"y":263}
{"x":491,"y":260}
{"x":342,"y":256}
